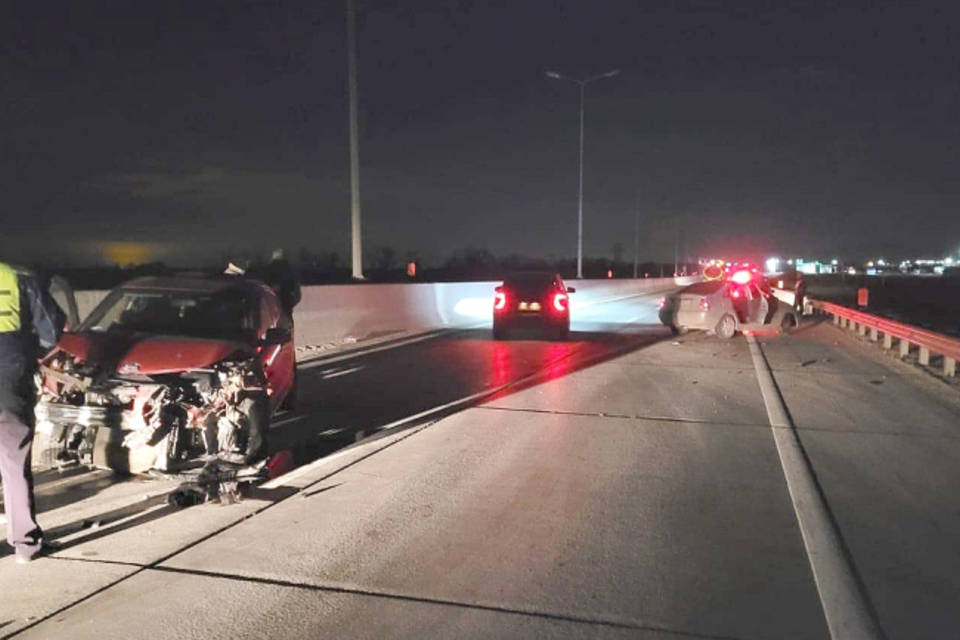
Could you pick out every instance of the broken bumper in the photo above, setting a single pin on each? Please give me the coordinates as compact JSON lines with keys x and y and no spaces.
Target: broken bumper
{"x":56,"y":413}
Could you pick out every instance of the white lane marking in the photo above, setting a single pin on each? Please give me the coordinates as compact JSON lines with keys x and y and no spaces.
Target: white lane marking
{"x":335,"y":373}
{"x":356,"y":353}
{"x":843,"y":597}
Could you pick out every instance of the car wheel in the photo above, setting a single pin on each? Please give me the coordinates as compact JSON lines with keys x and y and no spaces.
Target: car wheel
{"x":562,"y":333}
{"x":727,"y":327}
{"x":499,"y":332}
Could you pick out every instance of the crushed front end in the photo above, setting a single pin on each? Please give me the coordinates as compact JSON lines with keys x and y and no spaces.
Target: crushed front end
{"x":131,"y":422}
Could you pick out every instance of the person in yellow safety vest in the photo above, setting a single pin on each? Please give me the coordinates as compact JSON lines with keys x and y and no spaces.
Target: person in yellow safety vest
{"x":30,"y":321}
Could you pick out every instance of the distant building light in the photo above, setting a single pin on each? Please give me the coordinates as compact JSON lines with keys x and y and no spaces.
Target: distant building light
{"x":834,"y":262}
{"x":870,"y":264}
{"x":881,"y":263}
{"x":773,"y":265}
{"x":852,"y":271}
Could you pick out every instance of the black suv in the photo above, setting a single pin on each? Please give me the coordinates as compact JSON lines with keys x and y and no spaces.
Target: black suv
{"x":536,"y":300}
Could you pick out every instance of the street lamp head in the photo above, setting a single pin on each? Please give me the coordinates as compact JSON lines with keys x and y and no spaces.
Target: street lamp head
{"x":610,"y":74}
{"x":554,"y":75}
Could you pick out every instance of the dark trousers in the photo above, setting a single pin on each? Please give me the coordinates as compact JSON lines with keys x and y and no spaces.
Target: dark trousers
{"x":16,"y":439}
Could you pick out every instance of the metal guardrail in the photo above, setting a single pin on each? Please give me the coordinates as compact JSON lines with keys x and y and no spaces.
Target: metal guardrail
{"x":926,"y":341}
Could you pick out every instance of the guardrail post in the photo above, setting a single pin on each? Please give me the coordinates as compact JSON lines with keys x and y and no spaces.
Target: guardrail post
{"x":874,"y":334}
{"x":887,"y":341}
{"x":862,"y":329}
{"x":836,"y":319}
{"x":904,"y":348}
{"x":949,"y":367}
{"x":924,"y":356}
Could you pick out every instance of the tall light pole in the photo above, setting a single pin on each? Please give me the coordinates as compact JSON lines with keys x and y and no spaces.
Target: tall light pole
{"x":636,"y":236}
{"x":356,"y":249}
{"x":583,"y":84}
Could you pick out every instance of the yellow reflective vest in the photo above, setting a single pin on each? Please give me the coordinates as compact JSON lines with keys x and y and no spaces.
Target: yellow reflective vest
{"x":9,"y":299}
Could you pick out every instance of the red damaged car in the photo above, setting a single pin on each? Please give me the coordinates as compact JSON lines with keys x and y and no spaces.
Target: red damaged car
{"x":165,"y":371}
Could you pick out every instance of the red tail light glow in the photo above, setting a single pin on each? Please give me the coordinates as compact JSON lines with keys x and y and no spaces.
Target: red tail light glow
{"x":560,"y":302}
{"x":735,"y":293}
{"x":500,"y":301}
{"x":704,"y":304}
{"x":661,"y":303}
{"x":742,"y":277}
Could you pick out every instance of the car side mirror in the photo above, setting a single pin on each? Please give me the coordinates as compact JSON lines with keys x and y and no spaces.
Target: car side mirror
{"x":571,"y":290}
{"x":277,"y":335}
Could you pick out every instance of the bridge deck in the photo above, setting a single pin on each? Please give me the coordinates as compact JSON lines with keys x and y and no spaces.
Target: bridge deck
{"x":628,"y":486}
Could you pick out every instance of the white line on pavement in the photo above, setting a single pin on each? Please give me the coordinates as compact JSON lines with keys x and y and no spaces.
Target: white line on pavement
{"x":842,"y":595}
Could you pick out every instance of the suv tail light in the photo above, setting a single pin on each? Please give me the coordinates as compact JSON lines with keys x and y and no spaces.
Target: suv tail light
{"x":704,"y":304}
{"x":560,"y":302}
{"x":500,"y":301}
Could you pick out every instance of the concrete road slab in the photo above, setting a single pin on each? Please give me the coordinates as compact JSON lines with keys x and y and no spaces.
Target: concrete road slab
{"x":885,"y":447}
{"x":696,"y":387}
{"x":680,"y":526}
{"x":236,"y":608}
{"x":29,"y":592}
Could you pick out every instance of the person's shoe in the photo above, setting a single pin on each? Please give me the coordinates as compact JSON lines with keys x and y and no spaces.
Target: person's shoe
{"x":26,"y":555}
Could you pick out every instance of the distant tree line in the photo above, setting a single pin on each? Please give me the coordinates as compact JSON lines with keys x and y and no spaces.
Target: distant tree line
{"x":381,"y":264}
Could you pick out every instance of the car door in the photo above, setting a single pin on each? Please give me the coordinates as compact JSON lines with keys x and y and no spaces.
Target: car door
{"x":758,"y":305}
{"x":62,"y":293}
{"x":279,"y":360}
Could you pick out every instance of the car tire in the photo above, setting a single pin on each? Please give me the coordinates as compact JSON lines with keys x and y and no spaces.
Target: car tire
{"x":727,"y":327}
{"x":562,"y":333}
{"x":499,"y":332}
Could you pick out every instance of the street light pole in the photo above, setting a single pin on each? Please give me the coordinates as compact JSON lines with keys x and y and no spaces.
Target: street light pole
{"x":583,"y":85}
{"x":636,"y":236}
{"x":356,"y":249}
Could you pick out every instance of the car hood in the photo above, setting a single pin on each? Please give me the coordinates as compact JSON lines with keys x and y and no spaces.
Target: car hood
{"x":147,"y":354}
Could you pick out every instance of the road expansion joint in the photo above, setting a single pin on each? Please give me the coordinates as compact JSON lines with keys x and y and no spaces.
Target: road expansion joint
{"x":849,"y":613}
{"x":618,"y":416}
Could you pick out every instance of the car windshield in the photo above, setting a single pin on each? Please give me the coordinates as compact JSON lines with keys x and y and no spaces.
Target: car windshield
{"x":221,"y":315}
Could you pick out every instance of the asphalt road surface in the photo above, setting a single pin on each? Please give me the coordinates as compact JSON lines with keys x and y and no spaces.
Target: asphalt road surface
{"x":624,"y":484}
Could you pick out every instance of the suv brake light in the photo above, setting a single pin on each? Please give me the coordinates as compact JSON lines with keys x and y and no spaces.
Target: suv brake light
{"x":560,"y":301}
{"x":500,"y":301}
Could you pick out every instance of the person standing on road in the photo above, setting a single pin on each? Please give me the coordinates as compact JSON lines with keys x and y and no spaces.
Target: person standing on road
{"x":30,"y":321}
{"x":799,"y":291}
{"x":279,"y":276}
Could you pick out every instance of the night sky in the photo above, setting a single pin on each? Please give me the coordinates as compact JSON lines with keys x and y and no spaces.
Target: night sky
{"x":757,"y":128}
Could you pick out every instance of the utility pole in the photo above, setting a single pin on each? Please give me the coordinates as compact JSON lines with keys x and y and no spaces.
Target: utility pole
{"x":676,"y":252}
{"x":636,"y":237}
{"x":356,"y":248}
